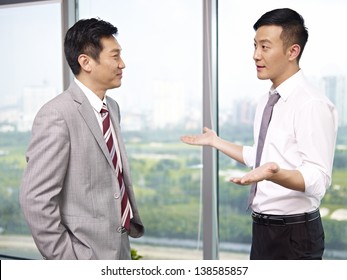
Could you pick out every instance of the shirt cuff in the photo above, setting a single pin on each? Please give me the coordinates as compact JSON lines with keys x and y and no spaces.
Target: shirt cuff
{"x":316,"y":181}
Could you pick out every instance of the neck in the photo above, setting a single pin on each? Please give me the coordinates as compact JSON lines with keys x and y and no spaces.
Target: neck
{"x":89,"y":84}
{"x":285,"y":76}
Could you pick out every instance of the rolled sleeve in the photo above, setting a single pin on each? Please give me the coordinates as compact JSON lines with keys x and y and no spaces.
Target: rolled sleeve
{"x":249,"y":153}
{"x":316,"y":145}
{"x":316,"y":182}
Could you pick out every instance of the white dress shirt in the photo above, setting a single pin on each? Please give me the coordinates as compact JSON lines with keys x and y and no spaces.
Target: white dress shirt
{"x":301,"y":136}
{"x":97,"y":103}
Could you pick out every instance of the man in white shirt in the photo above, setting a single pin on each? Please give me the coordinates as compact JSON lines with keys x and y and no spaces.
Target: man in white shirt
{"x":297,"y":158}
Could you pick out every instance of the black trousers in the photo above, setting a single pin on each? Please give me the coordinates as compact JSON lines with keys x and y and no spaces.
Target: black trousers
{"x":288,"y":242}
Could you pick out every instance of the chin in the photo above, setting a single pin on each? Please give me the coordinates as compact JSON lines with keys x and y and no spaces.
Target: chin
{"x":262,"y":77}
{"x":117,"y":85}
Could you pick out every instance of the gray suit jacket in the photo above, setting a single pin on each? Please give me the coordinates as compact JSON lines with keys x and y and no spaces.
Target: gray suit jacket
{"x":70,"y":195}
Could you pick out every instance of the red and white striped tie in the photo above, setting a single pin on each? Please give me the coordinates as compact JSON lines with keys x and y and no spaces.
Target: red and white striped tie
{"x":125,"y":205}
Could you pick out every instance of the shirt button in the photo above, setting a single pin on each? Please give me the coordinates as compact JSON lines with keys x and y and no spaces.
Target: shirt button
{"x":116,"y":195}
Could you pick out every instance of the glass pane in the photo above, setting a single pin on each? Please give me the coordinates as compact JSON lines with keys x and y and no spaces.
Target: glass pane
{"x":31,"y":44}
{"x":324,"y":62}
{"x":160,"y":100}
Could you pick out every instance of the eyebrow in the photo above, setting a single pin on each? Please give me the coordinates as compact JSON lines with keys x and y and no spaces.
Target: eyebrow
{"x":116,"y":50}
{"x":263,"y":41}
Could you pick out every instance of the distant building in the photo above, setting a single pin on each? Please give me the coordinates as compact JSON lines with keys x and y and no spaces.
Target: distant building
{"x":168,"y":103}
{"x":243,"y":112}
{"x":335,"y":88}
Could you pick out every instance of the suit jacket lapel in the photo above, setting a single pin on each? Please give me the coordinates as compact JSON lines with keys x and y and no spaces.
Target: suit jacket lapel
{"x":114,"y":115}
{"x":87,"y":113}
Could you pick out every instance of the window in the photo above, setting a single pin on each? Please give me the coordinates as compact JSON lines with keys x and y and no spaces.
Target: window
{"x":32,"y":59}
{"x":160,"y":99}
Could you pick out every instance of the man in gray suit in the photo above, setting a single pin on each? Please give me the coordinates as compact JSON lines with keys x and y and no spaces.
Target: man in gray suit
{"x":71,"y":192}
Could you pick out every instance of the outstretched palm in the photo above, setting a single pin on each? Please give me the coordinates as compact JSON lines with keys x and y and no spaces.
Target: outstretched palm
{"x":258,"y":174}
{"x":205,"y":138}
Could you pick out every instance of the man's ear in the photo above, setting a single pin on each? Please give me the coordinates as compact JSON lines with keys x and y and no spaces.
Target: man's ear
{"x":294,"y":52}
{"x":85,"y":62}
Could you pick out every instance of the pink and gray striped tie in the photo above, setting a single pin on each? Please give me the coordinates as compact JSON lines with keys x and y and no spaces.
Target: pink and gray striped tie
{"x":125,"y":205}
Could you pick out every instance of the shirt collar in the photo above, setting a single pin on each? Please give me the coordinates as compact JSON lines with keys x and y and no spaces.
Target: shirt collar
{"x":288,"y":86}
{"x":93,"y":99}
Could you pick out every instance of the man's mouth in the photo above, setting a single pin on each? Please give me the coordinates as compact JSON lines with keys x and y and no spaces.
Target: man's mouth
{"x":260,"y":67}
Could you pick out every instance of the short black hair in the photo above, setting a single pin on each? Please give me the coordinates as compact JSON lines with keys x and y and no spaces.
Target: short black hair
{"x":293,"y":25}
{"x":84,"y":37}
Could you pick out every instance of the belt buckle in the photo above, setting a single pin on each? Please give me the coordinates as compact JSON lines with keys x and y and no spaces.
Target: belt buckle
{"x":281,"y":221}
{"x":268,"y":219}
{"x":271,"y":220}
{"x":261,"y":218}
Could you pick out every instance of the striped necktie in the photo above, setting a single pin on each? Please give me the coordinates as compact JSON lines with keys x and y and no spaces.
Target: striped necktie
{"x":273,"y":98}
{"x":125,"y":205}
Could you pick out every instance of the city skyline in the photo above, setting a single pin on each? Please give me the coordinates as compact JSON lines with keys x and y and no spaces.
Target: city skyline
{"x":165,"y":112}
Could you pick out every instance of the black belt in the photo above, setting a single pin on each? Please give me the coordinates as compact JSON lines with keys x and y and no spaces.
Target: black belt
{"x":280,"y":220}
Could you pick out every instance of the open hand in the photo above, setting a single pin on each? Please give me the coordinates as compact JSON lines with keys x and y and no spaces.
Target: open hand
{"x":206,"y":138}
{"x":263,"y":172}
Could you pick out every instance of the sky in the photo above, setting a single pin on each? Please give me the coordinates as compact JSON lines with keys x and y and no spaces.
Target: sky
{"x":162,"y":40}
{"x":30,"y":48}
